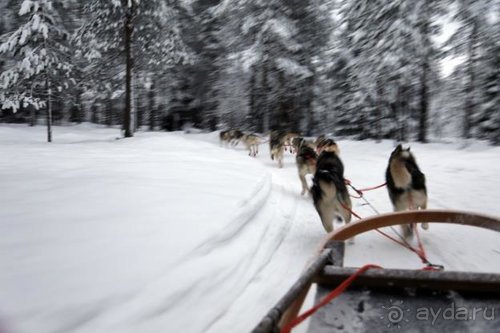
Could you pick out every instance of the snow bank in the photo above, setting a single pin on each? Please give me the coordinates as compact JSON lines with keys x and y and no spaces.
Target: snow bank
{"x":91,"y":225}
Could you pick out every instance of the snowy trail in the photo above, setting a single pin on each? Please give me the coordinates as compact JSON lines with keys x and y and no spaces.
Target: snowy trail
{"x":257,"y":231}
{"x":170,"y":232}
{"x":288,"y":260}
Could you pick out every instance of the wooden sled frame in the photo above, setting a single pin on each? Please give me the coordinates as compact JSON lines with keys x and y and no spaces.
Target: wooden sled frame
{"x":327,"y":269}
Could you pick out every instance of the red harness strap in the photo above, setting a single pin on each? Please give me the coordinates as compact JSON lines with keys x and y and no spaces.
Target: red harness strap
{"x":333,"y":294}
{"x":372,"y":188}
{"x":420,"y":252}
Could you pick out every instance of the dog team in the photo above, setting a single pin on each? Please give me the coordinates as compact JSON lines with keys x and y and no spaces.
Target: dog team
{"x":320,"y":158}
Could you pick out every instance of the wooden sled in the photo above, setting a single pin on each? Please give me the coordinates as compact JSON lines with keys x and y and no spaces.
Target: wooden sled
{"x":393,"y":300}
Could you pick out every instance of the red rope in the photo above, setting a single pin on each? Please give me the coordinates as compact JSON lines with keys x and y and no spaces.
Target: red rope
{"x":349,"y":182}
{"x":419,"y":242}
{"x":420,"y":252}
{"x":360,"y":191}
{"x":356,"y":196}
{"x":350,"y":210}
{"x":372,"y":188}
{"x":333,"y":294}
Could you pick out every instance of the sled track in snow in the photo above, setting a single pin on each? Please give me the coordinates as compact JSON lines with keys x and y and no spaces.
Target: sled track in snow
{"x":265,"y":217}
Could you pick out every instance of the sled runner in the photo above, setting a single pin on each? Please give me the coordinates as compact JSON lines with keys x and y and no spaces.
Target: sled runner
{"x":375,"y":299}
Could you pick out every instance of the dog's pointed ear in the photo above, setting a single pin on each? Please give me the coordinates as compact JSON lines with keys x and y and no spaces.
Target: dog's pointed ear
{"x":408,"y":149}
{"x":398,"y":148}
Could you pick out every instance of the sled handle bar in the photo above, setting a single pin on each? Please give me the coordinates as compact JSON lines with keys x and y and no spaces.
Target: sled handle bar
{"x":417,"y":216}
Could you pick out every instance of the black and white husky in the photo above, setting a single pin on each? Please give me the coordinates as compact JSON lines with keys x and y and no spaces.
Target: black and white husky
{"x":306,"y":164}
{"x":406,"y":184}
{"x":329,"y":191}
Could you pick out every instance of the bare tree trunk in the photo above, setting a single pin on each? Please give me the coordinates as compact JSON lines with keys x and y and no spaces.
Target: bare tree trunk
{"x":152,"y":107}
{"x":49,"y":108}
{"x":136,"y":107}
{"x":309,"y":104}
{"x":401,"y":112}
{"x":129,"y":64}
{"x":109,"y":109}
{"x":253,"y":98}
{"x":378,"y":115}
{"x":80,"y":115}
{"x":331,"y":122}
{"x":469,"y":101}
{"x":280,"y":117}
{"x":94,"y":116}
{"x":263,"y":125}
{"x":49,"y":101}
{"x":32,"y":115}
{"x":424,"y":85}
{"x":424,"y":103}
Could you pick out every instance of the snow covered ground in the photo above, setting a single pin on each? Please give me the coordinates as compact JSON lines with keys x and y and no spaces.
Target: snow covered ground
{"x":168,"y":232}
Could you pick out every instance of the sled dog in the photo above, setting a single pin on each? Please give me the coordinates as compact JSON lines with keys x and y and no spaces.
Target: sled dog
{"x":306,"y":164}
{"x":224,"y":137}
{"x":319,"y":139}
{"x":406,"y":184}
{"x":277,"y":146}
{"x":252,"y":142}
{"x":288,"y":139}
{"x":330,"y":195}
{"x":231,"y":137}
{"x":328,"y":145}
{"x":298,"y":142}
{"x":236,"y":136}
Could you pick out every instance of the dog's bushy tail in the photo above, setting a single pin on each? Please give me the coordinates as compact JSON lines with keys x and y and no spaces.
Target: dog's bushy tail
{"x":329,"y":199}
{"x":329,"y":177}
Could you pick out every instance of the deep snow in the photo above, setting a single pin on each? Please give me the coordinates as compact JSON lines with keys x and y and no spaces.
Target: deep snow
{"x":169,"y":232}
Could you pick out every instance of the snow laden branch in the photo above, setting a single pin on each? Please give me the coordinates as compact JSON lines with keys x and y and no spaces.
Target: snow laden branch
{"x":41,"y":59}
{"x":39,"y":50}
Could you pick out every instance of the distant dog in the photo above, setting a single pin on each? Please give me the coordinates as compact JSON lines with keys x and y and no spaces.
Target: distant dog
{"x":406,"y":184}
{"x":252,"y":142}
{"x":306,"y":164}
{"x":232,"y":137}
{"x":319,"y":139}
{"x":277,"y":146}
{"x":288,"y":139}
{"x":236,"y":136}
{"x":329,"y":191}
{"x":327,"y":145}
{"x":299,"y":141}
{"x":224,"y":137}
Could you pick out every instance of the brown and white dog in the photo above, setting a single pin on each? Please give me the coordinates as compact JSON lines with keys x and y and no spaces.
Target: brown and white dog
{"x":329,"y":191}
{"x":299,"y":141}
{"x":319,"y":139}
{"x":288,"y":139}
{"x":252,"y":142}
{"x":406,"y":185}
{"x":306,"y":164}
{"x":236,"y":136}
{"x":224,"y":137}
{"x":327,"y":145}
{"x":231,"y":137}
